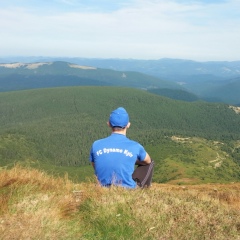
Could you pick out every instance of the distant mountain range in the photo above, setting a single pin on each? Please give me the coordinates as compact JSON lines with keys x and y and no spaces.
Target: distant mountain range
{"x":20,"y":76}
{"x":210,"y":81}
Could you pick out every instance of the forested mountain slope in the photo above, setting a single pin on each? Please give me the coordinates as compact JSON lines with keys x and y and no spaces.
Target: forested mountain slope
{"x":56,"y":127}
{"x":228,"y":92}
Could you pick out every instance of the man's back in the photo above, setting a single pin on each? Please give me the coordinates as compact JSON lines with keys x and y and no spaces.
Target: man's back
{"x":114,"y":159}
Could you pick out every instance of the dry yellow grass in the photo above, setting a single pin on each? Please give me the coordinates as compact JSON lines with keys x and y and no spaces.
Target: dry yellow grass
{"x":226,"y":194}
{"x":34,"y":205}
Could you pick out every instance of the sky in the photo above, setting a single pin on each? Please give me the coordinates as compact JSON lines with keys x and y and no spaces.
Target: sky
{"x":207,"y":30}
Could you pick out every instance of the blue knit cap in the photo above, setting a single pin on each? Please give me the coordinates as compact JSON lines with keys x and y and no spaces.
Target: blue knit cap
{"x":119,"y":118}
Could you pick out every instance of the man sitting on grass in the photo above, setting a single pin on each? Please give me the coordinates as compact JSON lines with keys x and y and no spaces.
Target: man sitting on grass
{"x":115,"y":156}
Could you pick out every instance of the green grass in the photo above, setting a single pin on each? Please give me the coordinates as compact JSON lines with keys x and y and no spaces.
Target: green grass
{"x":193,"y":161}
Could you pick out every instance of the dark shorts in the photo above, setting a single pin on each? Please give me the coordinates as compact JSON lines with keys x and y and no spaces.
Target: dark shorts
{"x":143,"y":175}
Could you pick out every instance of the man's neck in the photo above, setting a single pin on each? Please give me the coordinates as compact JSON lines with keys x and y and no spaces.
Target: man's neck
{"x":123,"y":132}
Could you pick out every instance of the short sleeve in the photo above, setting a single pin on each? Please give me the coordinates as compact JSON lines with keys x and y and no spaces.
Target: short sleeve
{"x":142,"y":153}
{"x":91,"y":157}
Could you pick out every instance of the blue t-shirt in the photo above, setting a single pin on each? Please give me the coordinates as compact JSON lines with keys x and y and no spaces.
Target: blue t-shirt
{"x":114,"y":158}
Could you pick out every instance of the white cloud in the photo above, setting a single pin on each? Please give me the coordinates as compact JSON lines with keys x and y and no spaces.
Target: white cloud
{"x":148,"y":29}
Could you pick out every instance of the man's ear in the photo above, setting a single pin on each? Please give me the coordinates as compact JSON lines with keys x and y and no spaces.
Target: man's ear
{"x":128,"y":125}
{"x":108,"y":123}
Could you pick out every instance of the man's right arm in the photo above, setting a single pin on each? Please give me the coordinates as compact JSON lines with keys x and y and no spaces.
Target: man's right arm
{"x":146,"y":161}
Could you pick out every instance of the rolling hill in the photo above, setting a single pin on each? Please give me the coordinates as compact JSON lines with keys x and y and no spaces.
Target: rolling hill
{"x":53,"y":129}
{"x":21,"y":76}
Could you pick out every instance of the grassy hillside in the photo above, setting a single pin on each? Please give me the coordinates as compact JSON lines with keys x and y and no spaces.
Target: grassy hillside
{"x":193,"y":161}
{"x":34,"y":205}
{"x":53,"y":129}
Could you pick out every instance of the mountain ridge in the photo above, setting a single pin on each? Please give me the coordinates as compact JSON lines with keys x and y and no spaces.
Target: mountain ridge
{"x":203,"y":79}
{"x":68,"y":74}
